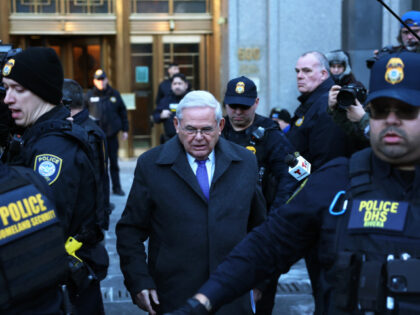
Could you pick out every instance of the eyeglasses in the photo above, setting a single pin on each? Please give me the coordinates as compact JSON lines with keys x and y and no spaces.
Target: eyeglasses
{"x":240,"y":106}
{"x":194,"y":131}
{"x":402,"y":111}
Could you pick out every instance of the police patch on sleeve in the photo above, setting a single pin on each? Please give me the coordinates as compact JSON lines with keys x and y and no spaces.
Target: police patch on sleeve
{"x":48,"y":166}
{"x":380,"y":214}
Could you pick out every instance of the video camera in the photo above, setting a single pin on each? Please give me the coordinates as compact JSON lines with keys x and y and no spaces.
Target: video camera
{"x":349,"y":93}
{"x":384,"y":51}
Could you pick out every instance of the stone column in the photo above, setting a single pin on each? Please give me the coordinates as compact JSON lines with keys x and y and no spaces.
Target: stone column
{"x":4,"y":21}
{"x":123,"y":62}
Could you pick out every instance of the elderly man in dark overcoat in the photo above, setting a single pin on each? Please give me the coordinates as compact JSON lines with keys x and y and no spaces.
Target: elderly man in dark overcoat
{"x":194,"y":198}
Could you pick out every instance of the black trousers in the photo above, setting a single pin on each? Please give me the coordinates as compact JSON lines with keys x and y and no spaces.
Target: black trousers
{"x":89,"y":302}
{"x":113,"y":161}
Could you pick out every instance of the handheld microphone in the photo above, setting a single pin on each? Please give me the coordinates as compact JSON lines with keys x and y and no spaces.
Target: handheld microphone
{"x":299,"y":168}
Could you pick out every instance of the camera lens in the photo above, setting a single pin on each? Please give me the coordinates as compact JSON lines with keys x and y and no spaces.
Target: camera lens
{"x":346,"y":97}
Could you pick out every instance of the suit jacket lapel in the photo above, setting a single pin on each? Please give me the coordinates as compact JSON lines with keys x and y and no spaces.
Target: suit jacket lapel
{"x":224,"y":157}
{"x":174,"y":154}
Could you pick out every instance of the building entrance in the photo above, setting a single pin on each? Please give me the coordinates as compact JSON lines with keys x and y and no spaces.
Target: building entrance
{"x":150,"y":57}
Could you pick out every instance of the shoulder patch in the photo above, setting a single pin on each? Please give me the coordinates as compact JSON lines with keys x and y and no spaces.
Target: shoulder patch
{"x":48,"y":166}
{"x":299,"y":122}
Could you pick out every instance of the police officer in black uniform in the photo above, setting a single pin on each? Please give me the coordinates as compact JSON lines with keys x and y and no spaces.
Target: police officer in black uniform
{"x":260,"y":135}
{"x":164,"y":88}
{"x":407,"y":41}
{"x":73,"y":97}
{"x":59,"y":151}
{"x":107,"y":106}
{"x":264,"y":138}
{"x":30,"y":275}
{"x":361,"y":214}
{"x":166,"y":109}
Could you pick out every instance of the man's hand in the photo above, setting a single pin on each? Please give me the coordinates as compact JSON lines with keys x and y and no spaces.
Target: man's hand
{"x":332,"y":96}
{"x":165,"y":114}
{"x":144,"y":298}
{"x":124,"y":135}
{"x":355,"y":112}
{"x":257,"y":295}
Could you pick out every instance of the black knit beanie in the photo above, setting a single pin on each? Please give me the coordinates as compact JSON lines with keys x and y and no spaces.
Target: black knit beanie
{"x":39,"y":70}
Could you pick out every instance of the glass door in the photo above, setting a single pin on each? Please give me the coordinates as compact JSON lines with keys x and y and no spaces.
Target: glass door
{"x":186,"y":53}
{"x":150,"y":57}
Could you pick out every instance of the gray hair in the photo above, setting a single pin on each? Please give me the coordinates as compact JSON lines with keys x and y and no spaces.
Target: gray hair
{"x":323,"y":61}
{"x":199,"y":99}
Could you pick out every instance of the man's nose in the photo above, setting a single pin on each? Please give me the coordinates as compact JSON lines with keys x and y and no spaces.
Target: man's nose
{"x":392,"y":118}
{"x":199,"y":135}
{"x":8,"y":98}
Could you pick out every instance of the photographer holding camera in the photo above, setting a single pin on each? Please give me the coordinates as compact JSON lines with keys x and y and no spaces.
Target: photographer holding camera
{"x":345,"y":98}
{"x":407,"y":41}
{"x":345,"y":107}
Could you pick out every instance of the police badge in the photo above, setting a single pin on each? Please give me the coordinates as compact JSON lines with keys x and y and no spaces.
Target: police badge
{"x":299,"y":122}
{"x":240,"y":87}
{"x":48,"y":166}
{"x":98,"y":72}
{"x":394,"y":73}
{"x":8,"y":67}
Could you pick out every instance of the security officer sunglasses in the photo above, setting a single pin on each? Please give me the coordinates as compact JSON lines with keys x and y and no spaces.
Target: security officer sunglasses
{"x":380,"y":110}
{"x":240,"y":106}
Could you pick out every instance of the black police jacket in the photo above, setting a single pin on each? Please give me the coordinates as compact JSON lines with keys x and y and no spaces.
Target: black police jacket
{"x":168,"y":124}
{"x":33,"y":261}
{"x":49,"y":149}
{"x":377,"y":252}
{"x":164,"y":90}
{"x":60,"y":152}
{"x":108,"y":108}
{"x":270,"y":150}
{"x":306,"y":223}
{"x":97,"y":141}
{"x":313,"y":132}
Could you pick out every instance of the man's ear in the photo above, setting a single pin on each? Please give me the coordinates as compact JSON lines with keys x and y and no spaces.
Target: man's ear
{"x":176,"y":124}
{"x":257,"y":101}
{"x":221,"y":125}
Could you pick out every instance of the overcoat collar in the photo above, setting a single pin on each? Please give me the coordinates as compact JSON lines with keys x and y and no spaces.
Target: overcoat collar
{"x":173,"y":154}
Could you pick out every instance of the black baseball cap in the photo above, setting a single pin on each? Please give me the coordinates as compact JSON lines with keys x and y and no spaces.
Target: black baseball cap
{"x":396,"y":76}
{"x":100,"y":74}
{"x":241,"y":91}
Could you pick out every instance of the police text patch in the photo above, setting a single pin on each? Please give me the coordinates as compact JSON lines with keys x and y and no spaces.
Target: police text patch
{"x":23,"y":211}
{"x":381,"y":214}
{"x":48,"y":166}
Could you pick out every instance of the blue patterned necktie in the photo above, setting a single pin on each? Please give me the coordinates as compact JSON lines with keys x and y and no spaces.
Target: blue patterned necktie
{"x":202,"y":177}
